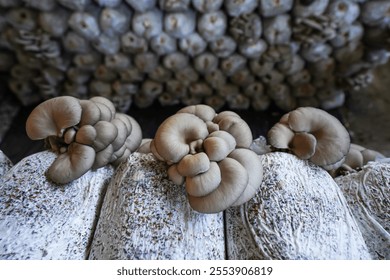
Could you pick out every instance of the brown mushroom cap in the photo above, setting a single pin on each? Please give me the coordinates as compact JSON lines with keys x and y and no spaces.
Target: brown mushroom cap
{"x":204,"y":112}
{"x":237,"y":127}
{"x":72,"y":164}
{"x":204,"y":183}
{"x":175,"y":134}
{"x":133,"y":141}
{"x":174,"y":175}
{"x":192,"y":165}
{"x":307,"y":127}
{"x":103,"y":157}
{"x":233,"y":183}
{"x":251,"y":162}
{"x":86,"y":135}
{"x":90,"y":113}
{"x":52,"y":117}
{"x":106,"y":133}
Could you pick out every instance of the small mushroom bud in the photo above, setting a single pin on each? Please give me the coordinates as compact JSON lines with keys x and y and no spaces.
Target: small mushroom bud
{"x":85,"y":25}
{"x":100,"y":88}
{"x":131,"y":75}
{"x":212,"y":25}
{"x":215,"y":101}
{"x":260,"y":67}
{"x":147,"y":24}
{"x":200,"y":89}
{"x":180,"y":25}
{"x":69,"y":135}
{"x":78,"y":76}
{"x":88,"y":61}
{"x":242,"y":77}
{"x":317,"y":52}
{"x":299,"y":78}
{"x":151,"y":89}
{"x":103,"y":157}
{"x":254,"y":89}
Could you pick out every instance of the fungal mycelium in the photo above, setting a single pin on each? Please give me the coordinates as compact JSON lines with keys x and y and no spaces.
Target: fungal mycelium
{"x":301,"y":53}
{"x":86,"y":134}
{"x":210,"y":153}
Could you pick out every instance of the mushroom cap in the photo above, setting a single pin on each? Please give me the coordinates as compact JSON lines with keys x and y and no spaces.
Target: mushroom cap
{"x":354,"y":158}
{"x":174,"y":175}
{"x":133,"y":141}
{"x":204,"y":112}
{"x":86,"y":135}
{"x":106,"y":133}
{"x":174,"y":135}
{"x":105,"y":112}
{"x":103,"y":157}
{"x":120,"y":139}
{"x":105,"y":101}
{"x":280,"y":136}
{"x":144,"y":147}
{"x":233,"y":183}
{"x":307,"y":127}
{"x":218,"y":145}
{"x":192,"y":165}
{"x":235,"y":126}
{"x":204,"y":183}
{"x":52,"y":117}
{"x":251,"y":162}
{"x":333,"y":139}
{"x":72,"y":164}
{"x":90,"y":113}
{"x":303,"y":145}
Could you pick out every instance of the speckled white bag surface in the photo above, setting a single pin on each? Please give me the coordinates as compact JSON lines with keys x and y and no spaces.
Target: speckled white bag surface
{"x":5,"y":164}
{"x":42,"y":220}
{"x":146,"y":216}
{"x":368,"y":196}
{"x":298,"y":213}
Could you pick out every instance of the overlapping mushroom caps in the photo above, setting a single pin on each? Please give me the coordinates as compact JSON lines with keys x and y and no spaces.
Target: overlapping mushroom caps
{"x":358,"y":156}
{"x":210,"y":153}
{"x":87,"y":134}
{"x":312,"y":134}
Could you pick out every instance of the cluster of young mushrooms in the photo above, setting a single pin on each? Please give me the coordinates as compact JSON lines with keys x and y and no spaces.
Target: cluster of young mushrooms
{"x":87,"y":134}
{"x":208,"y":152}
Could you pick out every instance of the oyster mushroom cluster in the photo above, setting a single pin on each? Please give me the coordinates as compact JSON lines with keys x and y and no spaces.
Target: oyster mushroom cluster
{"x":312,"y":134}
{"x":87,"y":134}
{"x":210,"y":153}
{"x":236,"y":53}
{"x":359,"y":156}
